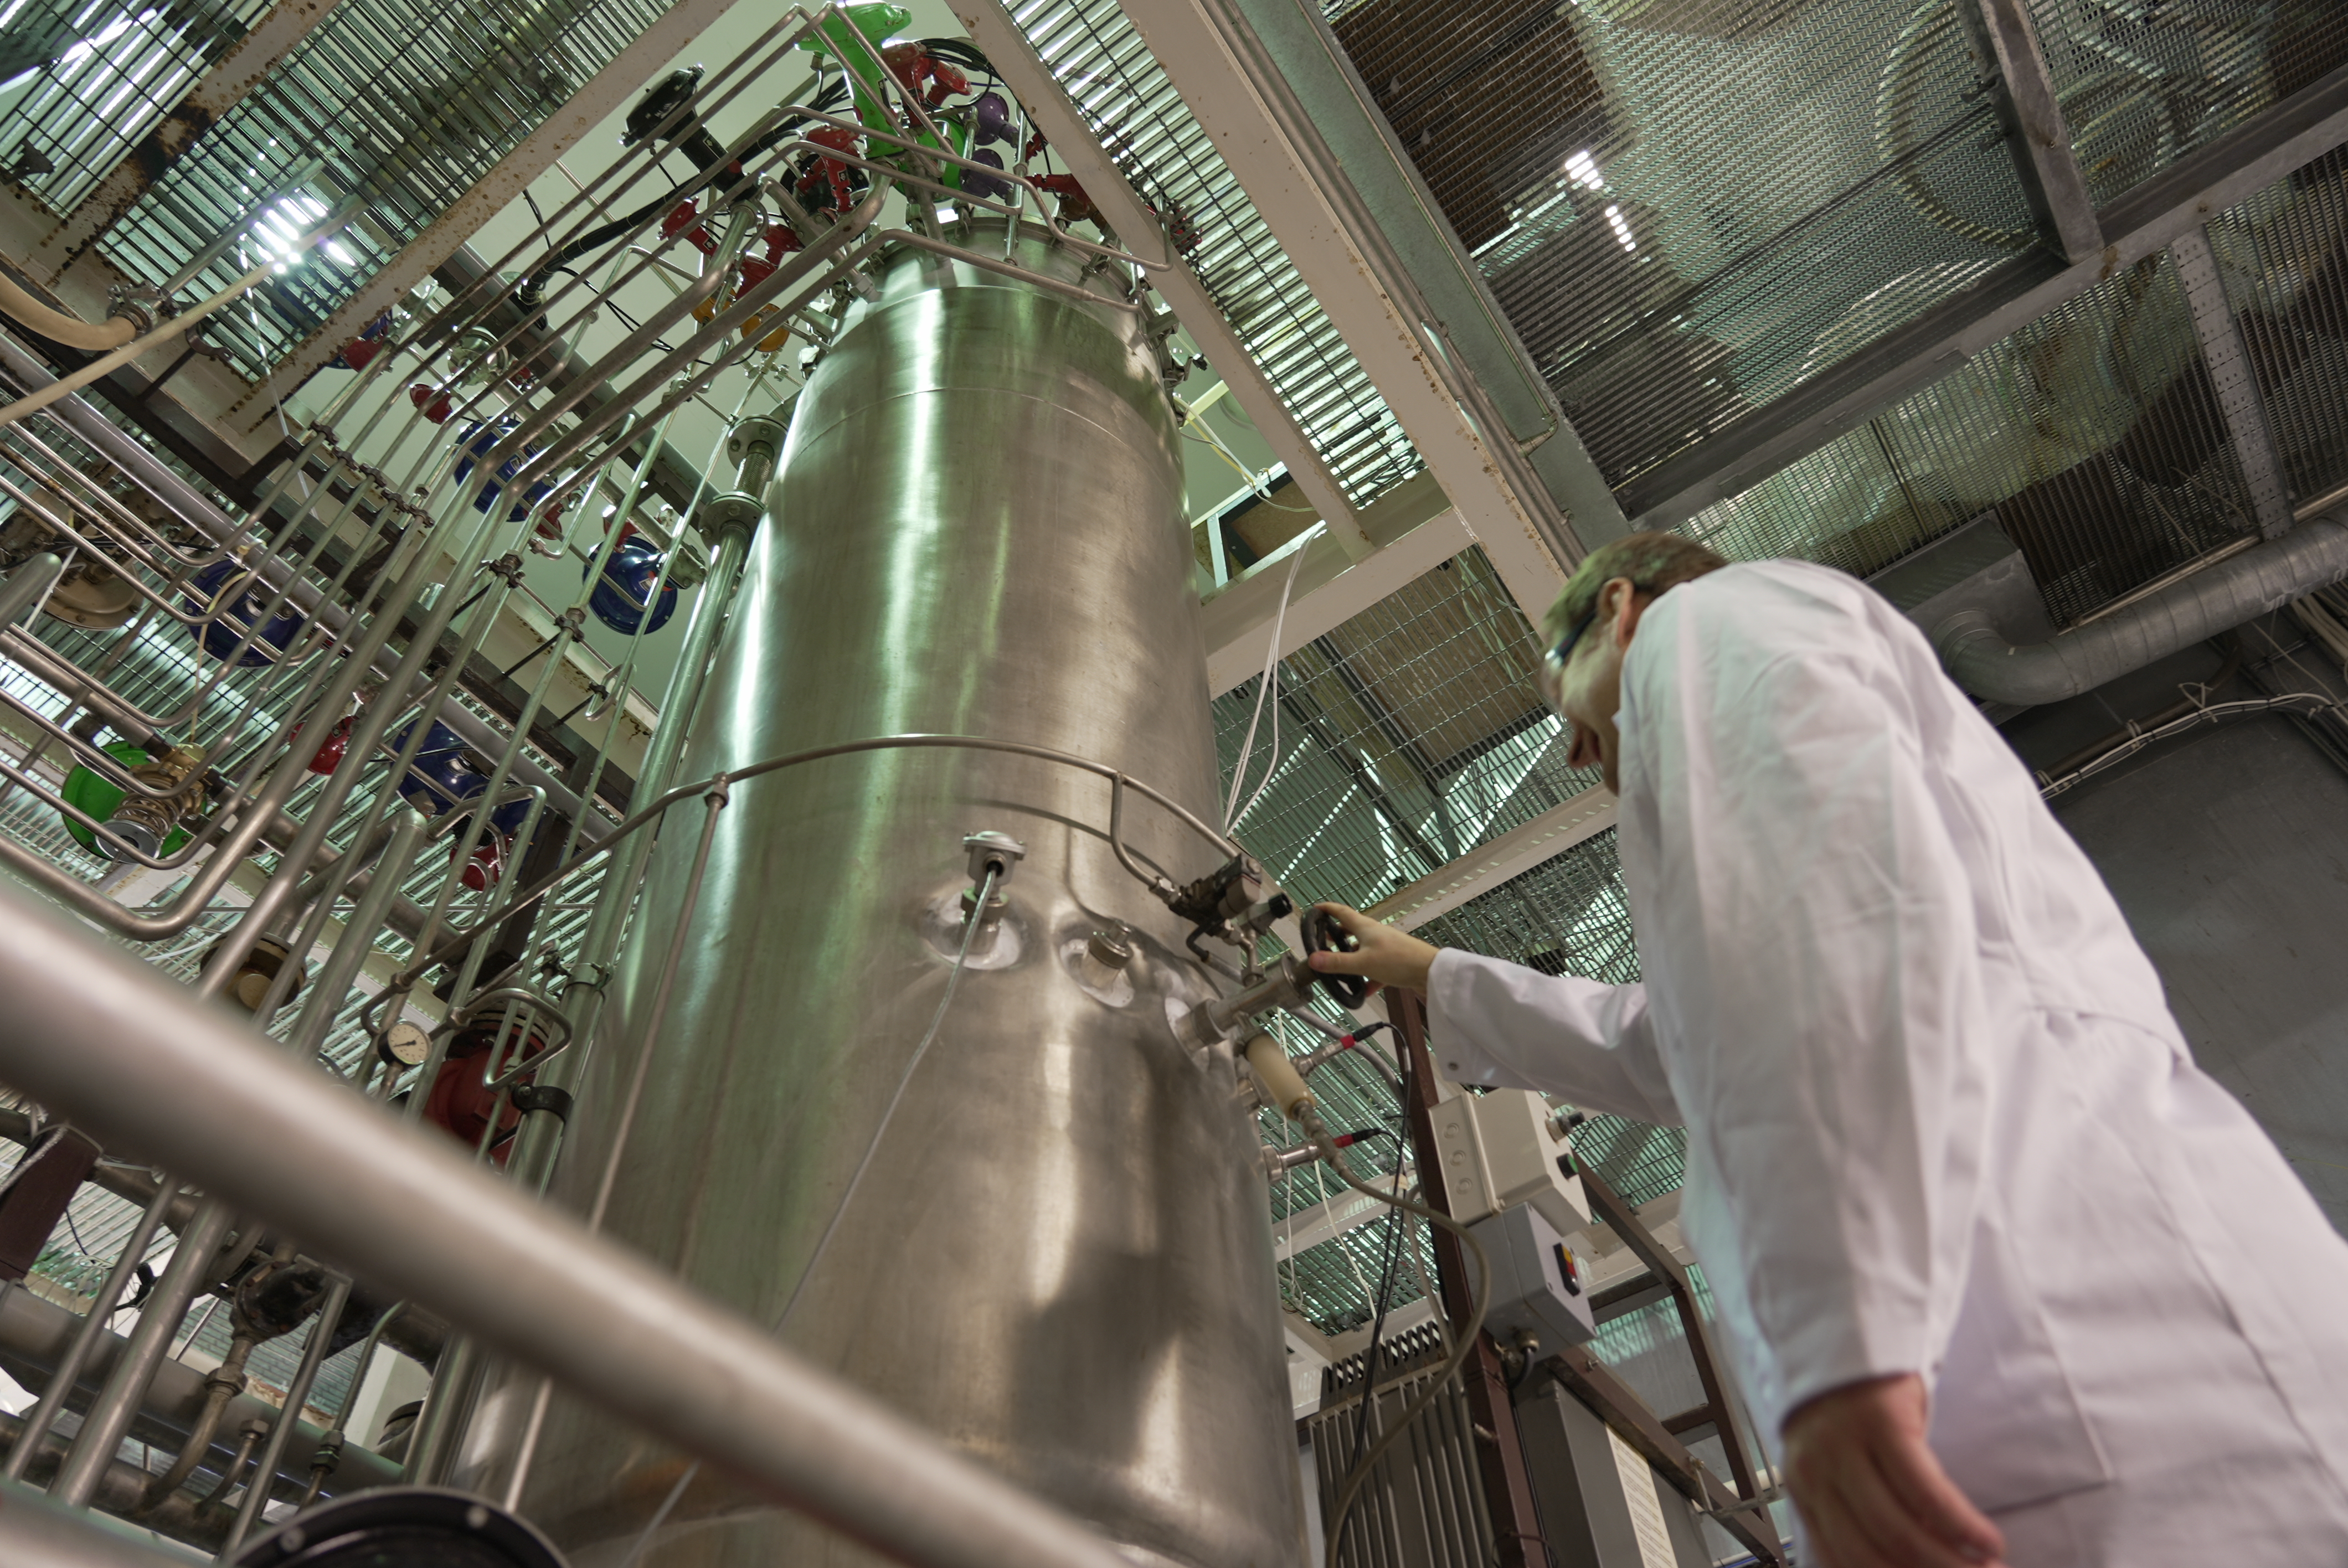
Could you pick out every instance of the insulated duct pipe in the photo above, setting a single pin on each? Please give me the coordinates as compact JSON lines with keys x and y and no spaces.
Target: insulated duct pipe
{"x":139,"y":1061}
{"x":2241,"y":588}
{"x":195,"y":509}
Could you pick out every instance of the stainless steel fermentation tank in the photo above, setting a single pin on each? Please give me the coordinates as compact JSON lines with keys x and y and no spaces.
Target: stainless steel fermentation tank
{"x":1059,"y":1259}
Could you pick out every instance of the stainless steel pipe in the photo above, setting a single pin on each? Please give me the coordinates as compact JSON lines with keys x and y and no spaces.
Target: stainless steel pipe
{"x":1059,"y":1257}
{"x":36,"y":1336}
{"x":97,"y":1035}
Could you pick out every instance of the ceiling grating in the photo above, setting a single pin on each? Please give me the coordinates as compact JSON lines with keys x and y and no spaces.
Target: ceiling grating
{"x":403,"y":102}
{"x":2286,"y":276}
{"x":1675,"y":248}
{"x":2144,"y":86}
{"x":1094,"y":53}
{"x":1408,"y":736}
{"x":2094,"y":433}
{"x":106,"y":75}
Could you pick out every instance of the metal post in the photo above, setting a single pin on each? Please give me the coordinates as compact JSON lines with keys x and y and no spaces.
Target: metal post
{"x":93,"y":1329}
{"x":1508,"y":1489}
{"x":281,"y":1431}
{"x":539,"y":1143}
{"x":2233,"y":378}
{"x":2050,"y":172}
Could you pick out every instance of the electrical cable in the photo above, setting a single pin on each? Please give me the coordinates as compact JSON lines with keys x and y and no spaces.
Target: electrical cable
{"x":847,"y":1195}
{"x":1378,"y":1321}
{"x":531,"y":288}
{"x":1232,"y":811}
{"x":1463,"y":1337}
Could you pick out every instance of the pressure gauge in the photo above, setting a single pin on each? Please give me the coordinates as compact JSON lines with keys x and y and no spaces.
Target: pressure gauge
{"x":404,"y":1045}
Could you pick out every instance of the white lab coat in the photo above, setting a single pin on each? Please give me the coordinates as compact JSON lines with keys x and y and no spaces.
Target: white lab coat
{"x":1940,"y":1119}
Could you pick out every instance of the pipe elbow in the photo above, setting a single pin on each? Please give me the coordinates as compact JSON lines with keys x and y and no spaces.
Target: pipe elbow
{"x":2255,"y":582}
{"x":1979,"y":658}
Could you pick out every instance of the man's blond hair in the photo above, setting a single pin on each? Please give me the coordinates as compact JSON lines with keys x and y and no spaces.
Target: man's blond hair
{"x":1652,"y":562}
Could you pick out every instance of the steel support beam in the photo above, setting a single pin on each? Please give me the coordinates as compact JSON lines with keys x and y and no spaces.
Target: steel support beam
{"x":1052,"y":111}
{"x":605,"y":92}
{"x":1304,"y":74}
{"x":2231,"y":378}
{"x":232,"y":76}
{"x":1514,"y":853}
{"x":1328,"y":592}
{"x":2143,"y":223}
{"x":2050,"y":173}
{"x":1412,"y":529}
{"x":95,"y":1035}
{"x":1301,"y":192}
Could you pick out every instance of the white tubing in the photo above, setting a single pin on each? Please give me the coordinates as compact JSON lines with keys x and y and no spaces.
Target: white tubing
{"x":59,"y":327}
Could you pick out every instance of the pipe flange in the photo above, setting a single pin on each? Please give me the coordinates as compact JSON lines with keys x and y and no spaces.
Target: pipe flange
{"x":734,"y":509}
{"x":758,"y":430}
{"x":137,"y":304}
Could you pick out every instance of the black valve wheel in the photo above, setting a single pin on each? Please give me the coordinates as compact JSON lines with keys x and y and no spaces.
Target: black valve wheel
{"x":1323,"y":935}
{"x":402,"y":1527}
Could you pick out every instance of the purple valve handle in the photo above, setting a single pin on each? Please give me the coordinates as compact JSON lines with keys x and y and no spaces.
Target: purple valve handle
{"x":993,"y":122}
{"x":981,"y":185}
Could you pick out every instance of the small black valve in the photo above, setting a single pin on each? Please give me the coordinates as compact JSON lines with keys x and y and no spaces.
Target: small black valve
{"x":1323,"y":934}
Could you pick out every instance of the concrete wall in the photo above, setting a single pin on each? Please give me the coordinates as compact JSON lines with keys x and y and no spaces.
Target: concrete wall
{"x":2228,"y":850}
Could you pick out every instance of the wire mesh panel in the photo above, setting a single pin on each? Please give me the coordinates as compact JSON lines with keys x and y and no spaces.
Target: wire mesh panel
{"x":2286,"y":273}
{"x":1405,"y":738}
{"x":1571,"y":915}
{"x":402,"y":103}
{"x":1676,"y":243}
{"x":1091,"y":48}
{"x":2094,"y":433}
{"x":2144,"y":86}
{"x":81,"y":83}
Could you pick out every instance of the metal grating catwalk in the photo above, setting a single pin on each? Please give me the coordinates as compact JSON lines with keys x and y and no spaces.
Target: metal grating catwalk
{"x":2091,"y":432}
{"x":404,"y":103}
{"x":1674,"y":247}
{"x":1094,"y":52}
{"x":83,"y":82}
{"x":2143,"y":86}
{"x":2286,"y":275}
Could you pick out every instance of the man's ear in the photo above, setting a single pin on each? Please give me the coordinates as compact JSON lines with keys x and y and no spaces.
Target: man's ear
{"x":1620,"y":601}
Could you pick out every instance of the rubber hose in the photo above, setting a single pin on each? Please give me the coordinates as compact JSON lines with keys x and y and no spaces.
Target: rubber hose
{"x":59,"y":327}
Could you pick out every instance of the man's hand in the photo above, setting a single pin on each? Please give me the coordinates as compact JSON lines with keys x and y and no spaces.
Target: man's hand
{"x":1388,"y":957}
{"x":1870,"y":1491}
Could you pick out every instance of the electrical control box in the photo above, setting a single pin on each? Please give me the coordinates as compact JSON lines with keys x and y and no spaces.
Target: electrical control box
{"x":1505,"y":1148}
{"x":1537,"y":1280}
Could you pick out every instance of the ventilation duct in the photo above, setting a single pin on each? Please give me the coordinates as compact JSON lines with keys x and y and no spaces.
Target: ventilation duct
{"x":2219,"y":599}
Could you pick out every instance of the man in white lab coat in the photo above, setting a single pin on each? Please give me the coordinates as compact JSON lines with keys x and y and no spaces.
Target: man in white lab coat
{"x":2007,"y":1279}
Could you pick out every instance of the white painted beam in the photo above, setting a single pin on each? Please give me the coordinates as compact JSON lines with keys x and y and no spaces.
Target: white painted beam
{"x":1513,"y":853}
{"x":1388,"y":339}
{"x":1050,"y":110}
{"x":1329,"y":591}
{"x":1326,"y":1221}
